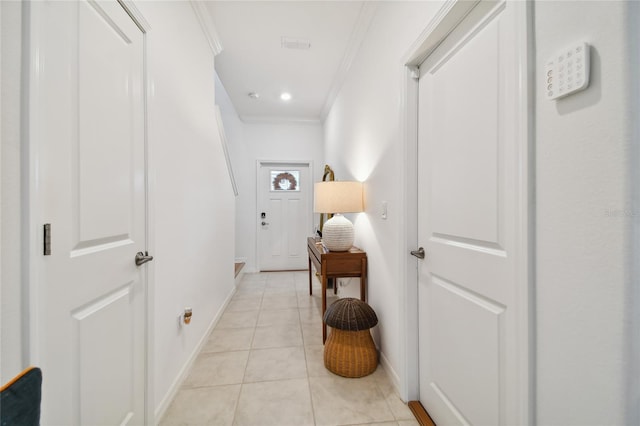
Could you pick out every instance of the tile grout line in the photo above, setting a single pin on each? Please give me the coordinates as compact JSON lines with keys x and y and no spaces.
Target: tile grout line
{"x":306,"y":366}
{"x":305,"y":310}
{"x":244,"y":373}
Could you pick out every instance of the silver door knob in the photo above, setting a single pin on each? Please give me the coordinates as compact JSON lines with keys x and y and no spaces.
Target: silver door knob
{"x":265,"y":223}
{"x":418,"y":253}
{"x":142,"y":258}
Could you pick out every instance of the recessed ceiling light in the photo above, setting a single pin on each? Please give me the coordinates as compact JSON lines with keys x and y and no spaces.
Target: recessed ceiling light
{"x":254,"y":95}
{"x":285,"y":96}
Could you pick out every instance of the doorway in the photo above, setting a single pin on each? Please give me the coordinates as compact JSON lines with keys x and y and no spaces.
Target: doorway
{"x":284,"y":214}
{"x":473,"y":210}
{"x":88,"y":211}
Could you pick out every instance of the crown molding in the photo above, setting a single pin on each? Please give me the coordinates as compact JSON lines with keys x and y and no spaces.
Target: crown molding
{"x":261,"y":119}
{"x":204,"y":17}
{"x":367,"y":12}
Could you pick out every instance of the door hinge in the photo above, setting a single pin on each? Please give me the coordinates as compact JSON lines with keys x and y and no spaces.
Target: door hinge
{"x":47,"y":239}
{"x":415,"y":72}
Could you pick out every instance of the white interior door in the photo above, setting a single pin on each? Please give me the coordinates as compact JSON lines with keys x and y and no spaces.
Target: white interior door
{"x":284,"y":215}
{"x":472,"y":222}
{"x":90,"y":298}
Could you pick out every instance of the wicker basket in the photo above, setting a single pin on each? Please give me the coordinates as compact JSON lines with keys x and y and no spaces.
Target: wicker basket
{"x":350,"y":353}
{"x":350,"y":314}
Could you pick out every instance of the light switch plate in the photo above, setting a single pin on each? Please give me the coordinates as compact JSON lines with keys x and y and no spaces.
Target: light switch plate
{"x":567,"y":71}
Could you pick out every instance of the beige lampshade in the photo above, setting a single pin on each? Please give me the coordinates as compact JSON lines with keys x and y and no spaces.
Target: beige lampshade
{"x":338,"y":197}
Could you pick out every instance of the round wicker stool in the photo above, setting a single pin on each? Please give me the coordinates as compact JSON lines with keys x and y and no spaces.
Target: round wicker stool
{"x":349,"y":351}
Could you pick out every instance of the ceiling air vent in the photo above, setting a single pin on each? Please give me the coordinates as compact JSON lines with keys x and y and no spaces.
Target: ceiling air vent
{"x":295,"y":43}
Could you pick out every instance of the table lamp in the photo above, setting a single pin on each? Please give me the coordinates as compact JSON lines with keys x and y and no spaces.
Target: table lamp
{"x":338,"y":197}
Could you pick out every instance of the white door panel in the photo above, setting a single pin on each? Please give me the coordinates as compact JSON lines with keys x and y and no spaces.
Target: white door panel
{"x":275,"y":243}
{"x":282,"y":240}
{"x":469,"y":327}
{"x":106,"y":394}
{"x":468,"y":175}
{"x":464,"y":85}
{"x":109,"y":70}
{"x":88,"y":125}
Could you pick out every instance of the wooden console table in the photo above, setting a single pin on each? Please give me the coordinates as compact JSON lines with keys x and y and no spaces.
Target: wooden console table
{"x":334,"y":264}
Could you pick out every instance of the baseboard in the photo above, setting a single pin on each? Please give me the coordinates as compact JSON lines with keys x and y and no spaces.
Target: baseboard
{"x":184,"y":371}
{"x":391,"y":373}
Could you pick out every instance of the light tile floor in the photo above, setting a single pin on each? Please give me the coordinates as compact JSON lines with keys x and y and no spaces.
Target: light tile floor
{"x":263,"y":365}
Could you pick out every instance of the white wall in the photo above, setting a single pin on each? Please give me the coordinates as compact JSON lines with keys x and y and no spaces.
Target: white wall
{"x":250,"y":142}
{"x":584,"y":184}
{"x":364,"y":137}
{"x":193,"y":200}
{"x":10,"y":212}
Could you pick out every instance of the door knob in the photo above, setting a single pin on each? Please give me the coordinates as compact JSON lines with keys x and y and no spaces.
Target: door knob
{"x":265,"y":223}
{"x":418,"y":253}
{"x":142,"y":258}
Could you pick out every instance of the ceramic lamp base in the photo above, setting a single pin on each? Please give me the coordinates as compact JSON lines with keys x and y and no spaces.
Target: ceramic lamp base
{"x":337,"y":233}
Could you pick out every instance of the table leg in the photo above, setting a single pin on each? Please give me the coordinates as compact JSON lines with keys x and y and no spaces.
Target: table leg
{"x":324,"y":301}
{"x":363,"y":279}
{"x":310,"y":288}
{"x":324,"y":308}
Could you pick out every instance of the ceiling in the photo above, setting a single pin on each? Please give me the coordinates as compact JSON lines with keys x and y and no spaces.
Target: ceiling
{"x":253,"y":59}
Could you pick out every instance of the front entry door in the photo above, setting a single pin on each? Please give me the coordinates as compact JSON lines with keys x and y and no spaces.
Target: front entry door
{"x":284,"y":215}
{"x":87,"y":125}
{"x":472,"y":165}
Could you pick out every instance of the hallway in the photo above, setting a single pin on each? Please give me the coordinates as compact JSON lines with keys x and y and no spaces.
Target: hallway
{"x":263,"y":365}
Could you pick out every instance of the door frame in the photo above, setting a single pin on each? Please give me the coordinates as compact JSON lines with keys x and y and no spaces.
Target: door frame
{"x":308,"y":187}
{"x":31,"y":232}
{"x":448,"y":17}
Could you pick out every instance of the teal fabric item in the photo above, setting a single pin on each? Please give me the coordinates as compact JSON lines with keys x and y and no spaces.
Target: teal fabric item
{"x":20,"y":401}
